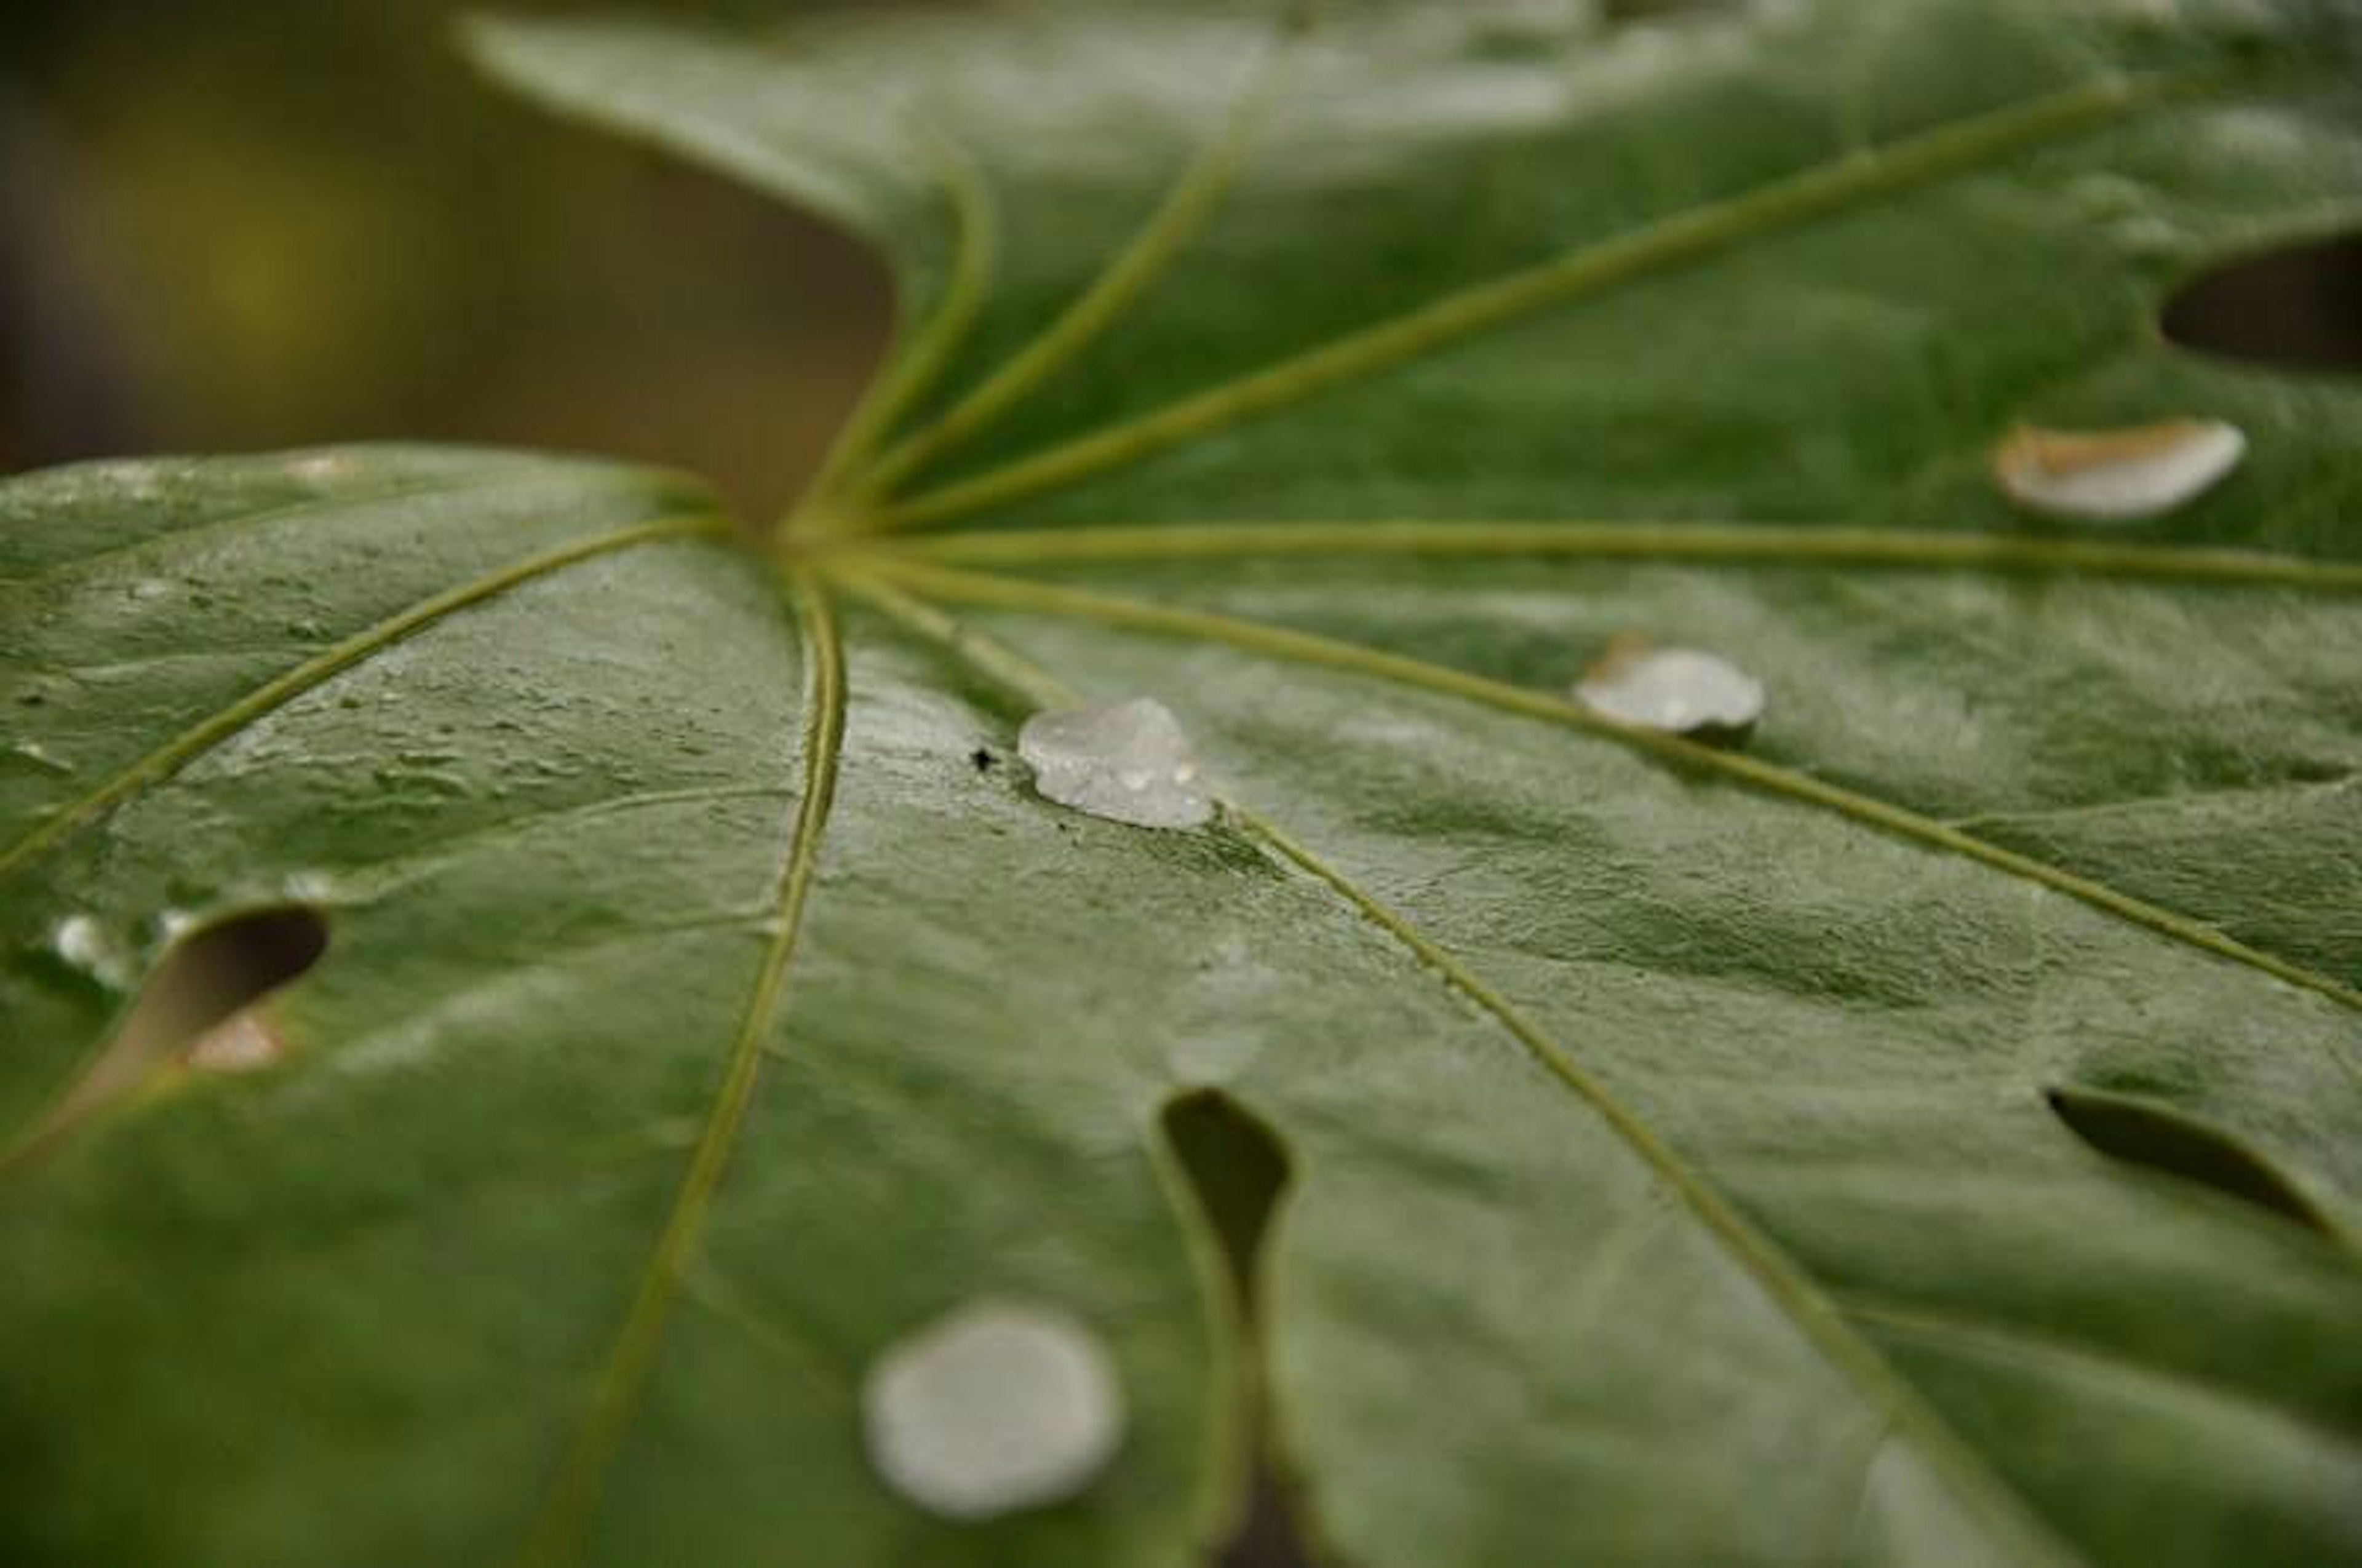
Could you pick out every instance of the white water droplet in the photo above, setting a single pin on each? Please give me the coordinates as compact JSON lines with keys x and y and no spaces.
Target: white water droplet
{"x":1127,"y":762}
{"x":240,"y":1044}
{"x":84,"y":943}
{"x":998,"y":1407}
{"x":1681,"y":690}
{"x":42,"y":756}
{"x":151,"y":589}
{"x":2116,"y":476}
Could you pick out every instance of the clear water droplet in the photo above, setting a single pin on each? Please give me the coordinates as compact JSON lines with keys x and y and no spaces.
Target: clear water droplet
{"x":151,"y":589}
{"x":1681,"y":691}
{"x":1127,"y":762}
{"x":2116,"y":476}
{"x":997,"y":1406}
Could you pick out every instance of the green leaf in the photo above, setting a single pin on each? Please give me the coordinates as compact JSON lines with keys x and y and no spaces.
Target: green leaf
{"x":1931,"y":1135}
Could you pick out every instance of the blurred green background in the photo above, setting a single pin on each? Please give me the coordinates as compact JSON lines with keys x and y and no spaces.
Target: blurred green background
{"x":251,"y":224}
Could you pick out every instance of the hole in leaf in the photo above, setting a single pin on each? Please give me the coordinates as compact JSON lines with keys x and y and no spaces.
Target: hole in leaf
{"x":2299,"y":307}
{"x":2142,"y":1132}
{"x":197,"y":1010}
{"x":1239,"y":1173}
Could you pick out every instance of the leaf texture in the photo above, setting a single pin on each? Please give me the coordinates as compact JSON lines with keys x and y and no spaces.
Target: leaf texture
{"x":1931,"y":1135}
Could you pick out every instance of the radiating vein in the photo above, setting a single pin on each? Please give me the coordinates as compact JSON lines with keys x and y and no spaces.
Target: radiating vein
{"x":724,"y":1298}
{"x":1707,"y":544}
{"x":976,"y":242}
{"x":557,"y":1533}
{"x":209,"y":733}
{"x":2043,"y":1351}
{"x":682,"y":491}
{"x":1303,"y":647}
{"x":1684,"y":238}
{"x":1184,"y":210}
{"x":236,"y":522}
{"x":1799,"y":1299}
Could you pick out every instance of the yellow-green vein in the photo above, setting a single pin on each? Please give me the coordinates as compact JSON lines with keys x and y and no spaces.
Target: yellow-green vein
{"x":2046,"y":1353}
{"x":2029,"y":1540}
{"x":976,"y":246}
{"x":1799,"y":1299}
{"x":1184,"y":211}
{"x":324,"y":505}
{"x":193,"y":742}
{"x":1303,"y":647}
{"x":558,"y":1532}
{"x":1642,"y":541}
{"x":1684,"y":238}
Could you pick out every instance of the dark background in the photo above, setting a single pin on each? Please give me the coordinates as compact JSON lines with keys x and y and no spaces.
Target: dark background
{"x":252,"y":224}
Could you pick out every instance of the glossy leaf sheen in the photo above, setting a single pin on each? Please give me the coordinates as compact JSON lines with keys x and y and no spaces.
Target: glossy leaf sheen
{"x":1673,"y":1171}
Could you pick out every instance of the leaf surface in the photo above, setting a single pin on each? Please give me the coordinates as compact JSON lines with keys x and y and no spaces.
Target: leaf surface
{"x":1931,"y":1135}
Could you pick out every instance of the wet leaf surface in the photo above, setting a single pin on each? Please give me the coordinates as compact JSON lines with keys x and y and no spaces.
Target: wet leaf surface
{"x":1927,"y":1134}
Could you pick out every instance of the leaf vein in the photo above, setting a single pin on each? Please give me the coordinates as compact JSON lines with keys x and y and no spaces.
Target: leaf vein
{"x":1640,"y":541}
{"x":1799,"y":1299}
{"x":565,"y":1516}
{"x":1182,"y":212}
{"x":1303,"y":647}
{"x":1689,"y":235}
{"x":232,"y":720}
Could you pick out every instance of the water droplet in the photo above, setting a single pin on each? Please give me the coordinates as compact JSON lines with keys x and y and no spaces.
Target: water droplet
{"x":998,"y":1407}
{"x":41,"y":756}
{"x":151,"y":589}
{"x":1681,"y":690}
{"x":2115,"y":476}
{"x":242,"y":1042}
{"x":1127,"y":762}
{"x":84,"y":943}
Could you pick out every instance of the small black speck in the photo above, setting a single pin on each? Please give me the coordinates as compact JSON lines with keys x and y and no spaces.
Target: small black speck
{"x":985,"y":761}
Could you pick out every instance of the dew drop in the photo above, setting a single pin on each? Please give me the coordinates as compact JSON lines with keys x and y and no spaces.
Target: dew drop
{"x":1127,"y":762}
{"x":85,"y":944}
{"x":42,"y":756}
{"x":2116,"y":476}
{"x":997,"y":1406}
{"x":150,"y":588}
{"x":1681,"y":690}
